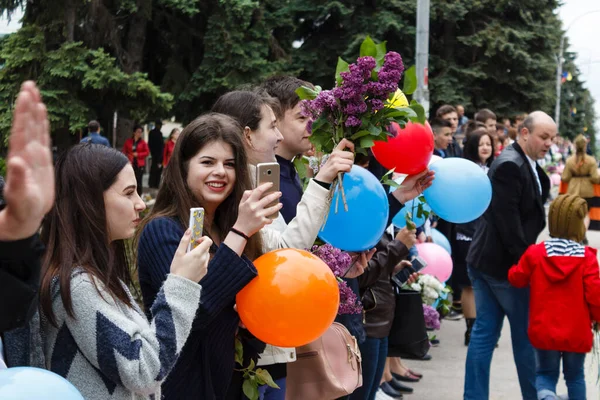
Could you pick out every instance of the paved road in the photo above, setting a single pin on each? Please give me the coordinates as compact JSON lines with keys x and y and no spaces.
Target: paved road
{"x":444,"y":374}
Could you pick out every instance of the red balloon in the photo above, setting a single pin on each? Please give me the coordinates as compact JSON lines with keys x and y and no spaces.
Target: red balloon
{"x":409,"y":152}
{"x":292,"y":301}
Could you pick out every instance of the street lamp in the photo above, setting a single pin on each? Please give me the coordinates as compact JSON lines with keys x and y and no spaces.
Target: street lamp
{"x":559,"y":65}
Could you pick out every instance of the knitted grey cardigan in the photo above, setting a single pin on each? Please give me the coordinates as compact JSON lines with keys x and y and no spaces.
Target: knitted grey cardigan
{"x":110,"y":351}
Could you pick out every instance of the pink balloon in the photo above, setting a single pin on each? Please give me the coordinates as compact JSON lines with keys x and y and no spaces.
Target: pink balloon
{"x":439,"y":262}
{"x":555,"y":178}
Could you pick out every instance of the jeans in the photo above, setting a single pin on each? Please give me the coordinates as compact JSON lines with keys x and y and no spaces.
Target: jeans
{"x":548,"y":369}
{"x":374,"y":352}
{"x":266,"y":392}
{"x":495,"y":299}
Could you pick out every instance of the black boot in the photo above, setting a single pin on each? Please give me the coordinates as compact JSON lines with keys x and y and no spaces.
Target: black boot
{"x":470,"y":322}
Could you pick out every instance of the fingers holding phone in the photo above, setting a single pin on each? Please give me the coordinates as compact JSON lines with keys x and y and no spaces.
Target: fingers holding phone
{"x":192,"y":264}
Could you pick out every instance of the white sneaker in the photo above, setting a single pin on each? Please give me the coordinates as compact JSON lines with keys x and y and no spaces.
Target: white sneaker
{"x":380,"y":395}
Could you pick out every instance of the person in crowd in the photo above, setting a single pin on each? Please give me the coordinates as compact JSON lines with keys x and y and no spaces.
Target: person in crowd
{"x":507,"y":124}
{"x":512,"y":135}
{"x":261,"y":137}
{"x":581,"y":172}
{"x":208,"y":169}
{"x":156,"y":143}
{"x":449,"y":113}
{"x":94,"y":135}
{"x":442,"y":136}
{"x":519,"y":120}
{"x":511,"y":223}
{"x":93,"y":332}
{"x":28,"y":194}
{"x":378,"y":299}
{"x":170,"y":146}
{"x":136,"y":150}
{"x":488,"y":118}
{"x":479,"y":148}
{"x":462,"y":118}
{"x":565,"y":286}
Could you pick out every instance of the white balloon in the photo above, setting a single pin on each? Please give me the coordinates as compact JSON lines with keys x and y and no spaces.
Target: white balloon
{"x":434,"y":158}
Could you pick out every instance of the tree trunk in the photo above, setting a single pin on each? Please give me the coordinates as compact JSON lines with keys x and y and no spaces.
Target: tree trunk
{"x":70,"y":17}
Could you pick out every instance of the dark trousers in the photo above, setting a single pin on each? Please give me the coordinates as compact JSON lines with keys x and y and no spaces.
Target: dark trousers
{"x":139,"y":174}
{"x":155,"y":173}
{"x":374,"y":353}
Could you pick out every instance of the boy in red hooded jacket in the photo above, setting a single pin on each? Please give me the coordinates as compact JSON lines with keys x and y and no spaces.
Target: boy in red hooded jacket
{"x":564,"y":297}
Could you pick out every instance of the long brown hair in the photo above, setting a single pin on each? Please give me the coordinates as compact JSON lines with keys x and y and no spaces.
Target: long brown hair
{"x":75,"y":232}
{"x":245,"y":106}
{"x":175,"y":198}
{"x":580,"y":147}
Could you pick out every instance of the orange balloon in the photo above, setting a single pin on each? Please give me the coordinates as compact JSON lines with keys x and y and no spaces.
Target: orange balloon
{"x":292,"y":302}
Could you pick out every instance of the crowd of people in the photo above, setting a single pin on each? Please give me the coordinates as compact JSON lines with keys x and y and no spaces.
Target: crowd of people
{"x":87,"y":327}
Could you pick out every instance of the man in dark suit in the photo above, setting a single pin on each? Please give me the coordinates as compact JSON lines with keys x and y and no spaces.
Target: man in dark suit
{"x":513,"y":221}
{"x":156,"y":142}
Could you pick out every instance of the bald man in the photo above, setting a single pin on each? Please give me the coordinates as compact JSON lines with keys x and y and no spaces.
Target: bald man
{"x":512,"y":222}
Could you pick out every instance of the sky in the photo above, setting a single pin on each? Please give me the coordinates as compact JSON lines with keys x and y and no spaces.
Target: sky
{"x":581,"y":17}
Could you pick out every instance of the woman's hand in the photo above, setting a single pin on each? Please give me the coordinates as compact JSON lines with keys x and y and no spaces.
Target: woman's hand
{"x":254,"y":211}
{"x":407,"y":236}
{"x":192,"y":265}
{"x":401,"y":265}
{"x":360,"y":264}
{"x":413,"y":186}
{"x":340,"y":160}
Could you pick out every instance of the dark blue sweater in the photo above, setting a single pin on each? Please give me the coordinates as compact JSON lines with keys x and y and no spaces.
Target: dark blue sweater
{"x":206,"y":362}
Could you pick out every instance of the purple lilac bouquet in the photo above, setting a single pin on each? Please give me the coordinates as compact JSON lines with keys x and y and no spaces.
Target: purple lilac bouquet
{"x":339,"y":262}
{"x":432,"y":317}
{"x":358,"y":108}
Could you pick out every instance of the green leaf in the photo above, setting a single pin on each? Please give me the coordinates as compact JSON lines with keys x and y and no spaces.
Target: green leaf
{"x":239,"y":352}
{"x":410,"y":80}
{"x":250,"y":389}
{"x":419,"y":110}
{"x":362,"y":151}
{"x":342,"y":66}
{"x":366,"y":142}
{"x":381,"y":49}
{"x":422,"y":199}
{"x":300,"y":164}
{"x":266,"y":377}
{"x":368,"y":48}
{"x":251,"y":366}
{"x":391,"y":183}
{"x":374,"y":130}
{"x":306,"y":93}
{"x":360,"y":134}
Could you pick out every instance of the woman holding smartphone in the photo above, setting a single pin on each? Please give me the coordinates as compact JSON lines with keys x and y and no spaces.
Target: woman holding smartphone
{"x":89,"y":315}
{"x":208,"y":170}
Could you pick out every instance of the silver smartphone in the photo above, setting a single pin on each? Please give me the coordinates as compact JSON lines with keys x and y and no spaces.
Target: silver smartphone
{"x":269,"y":172}
{"x":197,"y":225}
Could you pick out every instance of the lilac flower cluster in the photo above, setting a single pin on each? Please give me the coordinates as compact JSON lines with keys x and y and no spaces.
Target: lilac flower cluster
{"x":358,"y":91}
{"x":339,"y":262}
{"x":432,"y":317}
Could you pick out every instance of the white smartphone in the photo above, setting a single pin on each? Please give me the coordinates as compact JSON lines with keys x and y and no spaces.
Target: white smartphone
{"x":197,"y":225}
{"x":269,"y":172}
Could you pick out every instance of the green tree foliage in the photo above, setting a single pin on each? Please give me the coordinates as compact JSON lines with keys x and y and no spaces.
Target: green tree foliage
{"x":483,"y":53}
{"x":577,"y":105}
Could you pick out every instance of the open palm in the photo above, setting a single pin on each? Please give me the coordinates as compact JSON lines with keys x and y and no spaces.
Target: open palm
{"x":29,"y":189}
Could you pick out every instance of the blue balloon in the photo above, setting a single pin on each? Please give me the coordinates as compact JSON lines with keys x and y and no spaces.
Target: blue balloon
{"x":361,"y":227}
{"x":439,"y":238}
{"x":26,"y":383}
{"x":399,"y":220}
{"x":461,"y":190}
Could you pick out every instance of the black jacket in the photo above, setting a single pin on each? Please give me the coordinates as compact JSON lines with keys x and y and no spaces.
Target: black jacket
{"x":19,"y":281}
{"x":377,"y":292}
{"x":515,"y":217}
{"x":156,"y":143}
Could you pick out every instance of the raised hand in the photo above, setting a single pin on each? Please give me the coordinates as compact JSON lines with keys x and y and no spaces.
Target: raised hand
{"x":29,"y":189}
{"x":192,"y":265}
{"x":414,"y":185}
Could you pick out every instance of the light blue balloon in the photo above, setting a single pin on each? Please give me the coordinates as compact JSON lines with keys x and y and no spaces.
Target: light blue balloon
{"x":439,"y":239}
{"x":362,"y":226}
{"x":399,"y":220}
{"x":26,"y":383}
{"x":461,"y":190}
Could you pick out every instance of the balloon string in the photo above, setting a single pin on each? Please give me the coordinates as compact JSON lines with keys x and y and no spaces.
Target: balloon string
{"x":340,"y":182}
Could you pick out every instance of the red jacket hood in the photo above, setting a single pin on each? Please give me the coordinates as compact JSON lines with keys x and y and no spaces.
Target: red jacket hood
{"x":558,"y":268}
